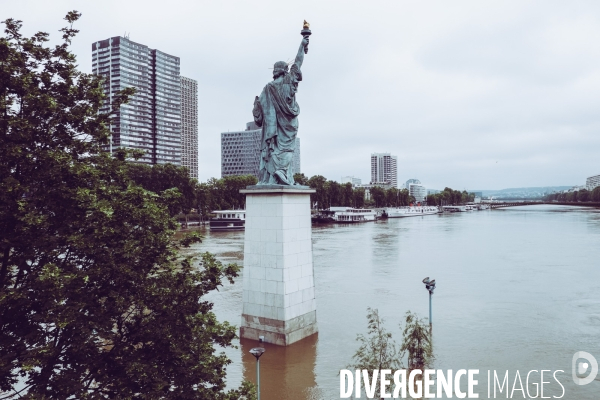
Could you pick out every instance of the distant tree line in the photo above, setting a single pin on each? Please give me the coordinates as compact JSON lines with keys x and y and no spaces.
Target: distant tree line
{"x":224,"y":194}
{"x":335,"y":194}
{"x":189,"y":194}
{"x":450,"y":197}
{"x":331,"y":193}
{"x":391,"y":197}
{"x":582,"y":195}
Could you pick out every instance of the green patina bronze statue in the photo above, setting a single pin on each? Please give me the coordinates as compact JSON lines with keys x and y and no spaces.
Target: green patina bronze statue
{"x":276,"y":111}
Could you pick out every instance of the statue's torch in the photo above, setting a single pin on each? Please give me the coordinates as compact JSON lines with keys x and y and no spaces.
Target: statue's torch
{"x":305,"y":32}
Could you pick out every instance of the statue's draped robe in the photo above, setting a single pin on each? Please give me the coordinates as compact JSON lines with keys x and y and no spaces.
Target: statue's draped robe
{"x":276,"y":111}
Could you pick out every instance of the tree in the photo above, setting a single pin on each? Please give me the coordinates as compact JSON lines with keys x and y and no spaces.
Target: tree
{"x":596,"y":194}
{"x":347,"y":195}
{"x":583,"y":195}
{"x":161,"y":177}
{"x":222,"y":194}
{"x":378,"y":196}
{"x":231,"y":190}
{"x":95,"y":301}
{"x":321,"y":199}
{"x":358,"y":196}
{"x":301,"y":179}
{"x":416,"y":341}
{"x":377,"y":349}
{"x":335,"y":193}
{"x":392,"y":197}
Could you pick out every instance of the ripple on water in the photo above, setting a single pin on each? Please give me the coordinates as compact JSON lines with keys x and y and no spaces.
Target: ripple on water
{"x":518,"y":288}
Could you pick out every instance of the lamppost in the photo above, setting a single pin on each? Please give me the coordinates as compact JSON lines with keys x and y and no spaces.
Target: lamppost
{"x":429,"y":285}
{"x":257,"y":352}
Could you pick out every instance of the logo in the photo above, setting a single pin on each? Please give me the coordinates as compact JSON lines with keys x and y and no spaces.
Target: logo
{"x":582,"y":368}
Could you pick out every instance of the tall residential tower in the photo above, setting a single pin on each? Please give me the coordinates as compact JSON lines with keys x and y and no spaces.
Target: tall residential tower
{"x":189,"y":125}
{"x":152,"y":120}
{"x":384,"y":169}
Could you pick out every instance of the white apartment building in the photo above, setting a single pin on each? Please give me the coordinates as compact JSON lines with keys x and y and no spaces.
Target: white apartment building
{"x":350,"y":179}
{"x":592,"y":182}
{"x":151,"y":121}
{"x":384,"y":169}
{"x":419,"y":192}
{"x":408,"y":182}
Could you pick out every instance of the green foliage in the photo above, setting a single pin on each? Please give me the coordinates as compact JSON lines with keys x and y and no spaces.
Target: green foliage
{"x":450,"y":197}
{"x":377,"y":349}
{"x":321,"y":197}
{"x":416,"y":342}
{"x":378,"y":196}
{"x":331,"y":193}
{"x":582,"y":195}
{"x":358,"y":197}
{"x":223,"y":194}
{"x":160,"y":178}
{"x":95,"y":301}
{"x":596,"y":194}
{"x":301,"y":179}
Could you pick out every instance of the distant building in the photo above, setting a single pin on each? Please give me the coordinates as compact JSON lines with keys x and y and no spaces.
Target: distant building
{"x":384,"y":169}
{"x":240,"y":152}
{"x":189,"y":125}
{"x":350,"y":179}
{"x":419,"y":192}
{"x":477,"y":194}
{"x":408,"y":182}
{"x":433,"y":191}
{"x":151,"y":121}
{"x":592,"y":182}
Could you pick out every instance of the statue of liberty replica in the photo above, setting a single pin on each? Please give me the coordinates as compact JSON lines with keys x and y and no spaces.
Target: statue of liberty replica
{"x":279,"y":304}
{"x":276,"y":111}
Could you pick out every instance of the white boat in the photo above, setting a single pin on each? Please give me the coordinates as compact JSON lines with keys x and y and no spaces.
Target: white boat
{"x":348,"y":214}
{"x":228,"y":220}
{"x":454,"y":208}
{"x":412,"y":211}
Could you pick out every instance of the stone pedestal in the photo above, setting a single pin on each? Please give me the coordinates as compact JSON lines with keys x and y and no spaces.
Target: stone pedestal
{"x":279,"y":292}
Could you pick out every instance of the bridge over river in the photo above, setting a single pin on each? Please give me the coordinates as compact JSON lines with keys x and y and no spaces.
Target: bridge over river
{"x":536,"y":203}
{"x":513,"y":204}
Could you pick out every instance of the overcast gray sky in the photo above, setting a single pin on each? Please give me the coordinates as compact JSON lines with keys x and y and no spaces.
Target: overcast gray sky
{"x":467,"y":94}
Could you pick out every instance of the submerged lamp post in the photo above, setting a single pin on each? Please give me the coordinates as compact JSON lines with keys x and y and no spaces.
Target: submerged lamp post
{"x":429,"y":285}
{"x":257,"y":352}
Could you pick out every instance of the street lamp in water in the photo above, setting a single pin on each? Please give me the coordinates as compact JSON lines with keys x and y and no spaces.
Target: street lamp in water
{"x":429,"y":285}
{"x":257,"y":352}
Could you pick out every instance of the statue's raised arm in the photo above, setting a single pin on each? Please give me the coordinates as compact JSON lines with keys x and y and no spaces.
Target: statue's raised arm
{"x":300,"y":55}
{"x":276,"y":112}
{"x":305,"y":32}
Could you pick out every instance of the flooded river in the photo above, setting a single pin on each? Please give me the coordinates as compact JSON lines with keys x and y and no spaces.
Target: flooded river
{"x":517,"y":289}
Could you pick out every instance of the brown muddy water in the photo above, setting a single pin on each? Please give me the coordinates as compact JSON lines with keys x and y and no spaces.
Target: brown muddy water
{"x":517,"y":289}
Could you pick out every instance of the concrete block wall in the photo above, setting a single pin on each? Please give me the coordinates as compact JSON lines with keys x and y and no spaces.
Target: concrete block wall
{"x":278,"y":295}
